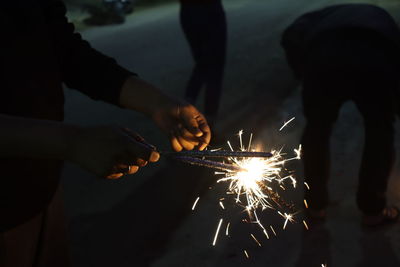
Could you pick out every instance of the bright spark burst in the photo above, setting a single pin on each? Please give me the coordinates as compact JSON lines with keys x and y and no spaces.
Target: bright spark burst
{"x":252,"y":184}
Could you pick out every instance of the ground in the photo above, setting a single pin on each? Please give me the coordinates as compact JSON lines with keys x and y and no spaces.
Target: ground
{"x":146,"y":219}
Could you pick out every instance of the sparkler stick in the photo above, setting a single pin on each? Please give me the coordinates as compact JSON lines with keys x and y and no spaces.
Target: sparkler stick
{"x":218,"y":154}
{"x":209,"y":164}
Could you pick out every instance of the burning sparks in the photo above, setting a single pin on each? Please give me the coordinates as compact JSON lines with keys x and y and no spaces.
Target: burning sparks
{"x":305,"y":224}
{"x":272,"y":229}
{"x":195,"y":203}
{"x":305,"y":204}
{"x":308,"y":187}
{"x":255,"y":239}
{"x":246,"y":254}
{"x":217,"y":232}
{"x":287,"y":217}
{"x":286,"y":123}
{"x":251,"y":180}
{"x":255,"y":180}
{"x":227,"y":229}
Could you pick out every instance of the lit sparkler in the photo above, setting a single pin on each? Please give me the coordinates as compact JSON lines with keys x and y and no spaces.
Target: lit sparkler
{"x":252,"y":178}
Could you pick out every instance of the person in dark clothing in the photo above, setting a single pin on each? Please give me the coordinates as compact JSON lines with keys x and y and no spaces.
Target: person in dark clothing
{"x":40,"y":52}
{"x":341,"y":53}
{"x":204,"y":25}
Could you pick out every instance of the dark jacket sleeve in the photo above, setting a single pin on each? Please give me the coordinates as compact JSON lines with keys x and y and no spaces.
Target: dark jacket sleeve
{"x":82,"y":67}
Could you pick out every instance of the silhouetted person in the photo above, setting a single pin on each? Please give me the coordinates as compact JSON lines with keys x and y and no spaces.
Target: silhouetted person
{"x":341,"y":53}
{"x":39,"y":52}
{"x":204,"y":25}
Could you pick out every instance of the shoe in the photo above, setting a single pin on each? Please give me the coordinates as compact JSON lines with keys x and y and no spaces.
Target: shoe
{"x":388,"y":215}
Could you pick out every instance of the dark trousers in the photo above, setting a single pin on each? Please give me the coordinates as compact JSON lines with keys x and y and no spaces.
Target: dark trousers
{"x":204,"y":26}
{"x":369,"y":80}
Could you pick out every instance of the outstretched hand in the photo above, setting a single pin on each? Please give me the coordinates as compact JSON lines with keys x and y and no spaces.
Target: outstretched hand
{"x":186,"y":126}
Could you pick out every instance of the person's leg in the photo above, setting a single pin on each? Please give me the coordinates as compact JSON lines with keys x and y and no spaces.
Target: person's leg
{"x":379,"y":111}
{"x":193,"y":31}
{"x":215,"y":54}
{"x":321,"y":105}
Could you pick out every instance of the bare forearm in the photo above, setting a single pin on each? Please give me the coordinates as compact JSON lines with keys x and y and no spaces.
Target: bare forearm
{"x":139,"y":95}
{"x":31,"y":138}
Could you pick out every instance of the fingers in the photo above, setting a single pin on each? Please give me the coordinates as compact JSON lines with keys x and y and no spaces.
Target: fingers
{"x":142,"y":152}
{"x":114,"y":176}
{"x":190,"y":117}
{"x":197,"y":125}
{"x":120,"y":170}
{"x":176,"y":146}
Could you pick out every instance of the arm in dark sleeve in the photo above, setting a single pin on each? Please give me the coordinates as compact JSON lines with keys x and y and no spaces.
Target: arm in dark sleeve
{"x":82,"y":67}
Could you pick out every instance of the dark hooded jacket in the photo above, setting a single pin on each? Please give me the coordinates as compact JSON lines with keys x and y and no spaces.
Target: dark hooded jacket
{"x":39,"y":51}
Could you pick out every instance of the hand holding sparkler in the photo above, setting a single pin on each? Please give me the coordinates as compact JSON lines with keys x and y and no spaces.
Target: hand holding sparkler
{"x":186,"y":126}
{"x":182,"y":122}
{"x":110,"y":152}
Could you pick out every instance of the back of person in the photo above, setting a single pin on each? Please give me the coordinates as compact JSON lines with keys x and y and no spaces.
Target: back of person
{"x":353,"y":22}
{"x":358,"y":56}
{"x":341,"y":53}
